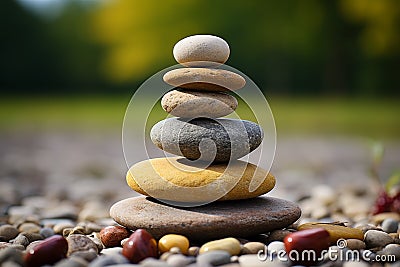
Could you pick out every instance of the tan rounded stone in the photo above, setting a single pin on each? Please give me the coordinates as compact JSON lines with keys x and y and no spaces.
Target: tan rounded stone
{"x":252,"y":248}
{"x":205,"y":79}
{"x":201,"y":51}
{"x":174,"y":179}
{"x":193,"y":104}
{"x":229,"y":244}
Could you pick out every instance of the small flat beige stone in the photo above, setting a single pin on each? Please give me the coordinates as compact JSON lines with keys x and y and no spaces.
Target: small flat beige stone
{"x":173,"y":179}
{"x":194,"y":104}
{"x":204,"y":79}
{"x":220,"y":219}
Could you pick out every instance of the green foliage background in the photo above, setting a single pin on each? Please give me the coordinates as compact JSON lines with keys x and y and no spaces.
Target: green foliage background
{"x":288,"y":47}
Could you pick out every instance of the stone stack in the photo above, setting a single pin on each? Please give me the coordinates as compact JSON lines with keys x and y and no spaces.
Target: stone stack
{"x":207,"y":168}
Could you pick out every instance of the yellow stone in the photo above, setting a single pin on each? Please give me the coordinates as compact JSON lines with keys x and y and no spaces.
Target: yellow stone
{"x":230,"y":245}
{"x":176,"y":179}
{"x":335,"y":231}
{"x":171,"y":240}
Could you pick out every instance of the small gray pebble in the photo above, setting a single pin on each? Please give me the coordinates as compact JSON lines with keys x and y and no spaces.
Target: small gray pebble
{"x":391,"y":249}
{"x":17,"y":246}
{"x":390,"y":226}
{"x":78,"y":242}
{"x":165,"y":256}
{"x":10,"y":264}
{"x":375,"y":238}
{"x":46,"y":232}
{"x":32,"y":236}
{"x":126,"y":265}
{"x":88,"y":255}
{"x":21,"y":240}
{"x":355,"y":264}
{"x":111,"y":251}
{"x":108,"y":260}
{"x":151,"y":262}
{"x":10,"y":254}
{"x":72,"y":262}
{"x":214,"y":258}
{"x":179,"y":260}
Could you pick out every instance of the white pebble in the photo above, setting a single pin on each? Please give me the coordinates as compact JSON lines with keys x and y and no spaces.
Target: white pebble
{"x":201,"y":51}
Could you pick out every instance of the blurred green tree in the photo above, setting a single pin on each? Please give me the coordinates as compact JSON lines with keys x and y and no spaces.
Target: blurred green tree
{"x":344,"y":47}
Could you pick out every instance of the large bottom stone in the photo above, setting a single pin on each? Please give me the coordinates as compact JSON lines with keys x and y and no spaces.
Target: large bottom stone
{"x":216,"y":220}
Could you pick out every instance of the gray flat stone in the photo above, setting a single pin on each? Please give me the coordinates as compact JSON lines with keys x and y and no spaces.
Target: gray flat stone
{"x":212,"y":140}
{"x":215,"y":220}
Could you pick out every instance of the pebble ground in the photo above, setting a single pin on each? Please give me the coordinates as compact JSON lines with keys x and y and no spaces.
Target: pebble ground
{"x":47,"y":188}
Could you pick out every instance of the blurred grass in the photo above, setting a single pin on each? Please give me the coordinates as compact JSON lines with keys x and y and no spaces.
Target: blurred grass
{"x":303,"y":116}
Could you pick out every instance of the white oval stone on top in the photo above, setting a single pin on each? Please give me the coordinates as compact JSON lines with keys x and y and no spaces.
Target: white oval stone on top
{"x":201,"y":51}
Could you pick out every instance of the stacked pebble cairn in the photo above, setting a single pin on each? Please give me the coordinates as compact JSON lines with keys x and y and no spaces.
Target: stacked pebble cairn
{"x":229,"y":232}
{"x":180,"y":203}
{"x":199,"y":135}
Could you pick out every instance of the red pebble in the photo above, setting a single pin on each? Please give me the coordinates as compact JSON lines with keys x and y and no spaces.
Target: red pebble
{"x":111,"y":236}
{"x":48,"y":251}
{"x":140,"y":246}
{"x":305,"y":247}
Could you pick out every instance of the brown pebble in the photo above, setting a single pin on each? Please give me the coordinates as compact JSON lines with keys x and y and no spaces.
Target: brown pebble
{"x":29,"y":228}
{"x":355,"y":244}
{"x":8,"y":232}
{"x":111,"y":236}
